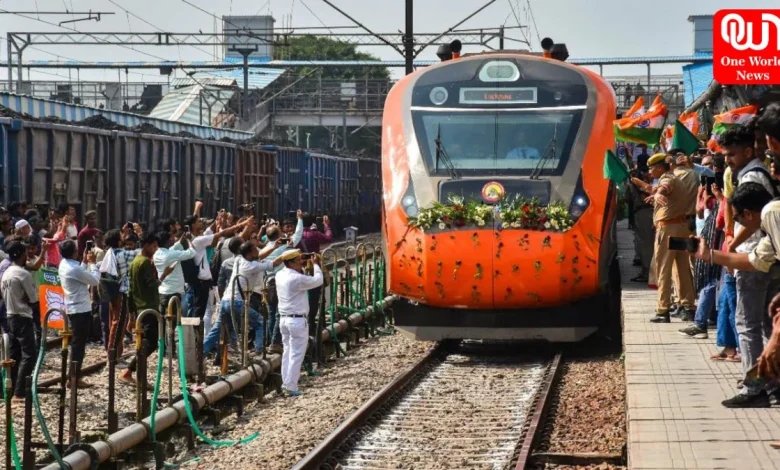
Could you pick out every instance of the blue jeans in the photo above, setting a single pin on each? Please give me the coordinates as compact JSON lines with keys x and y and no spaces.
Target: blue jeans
{"x":727,"y":311}
{"x":255,"y":323}
{"x":273,"y":324}
{"x":187,"y":306}
{"x":706,"y":304}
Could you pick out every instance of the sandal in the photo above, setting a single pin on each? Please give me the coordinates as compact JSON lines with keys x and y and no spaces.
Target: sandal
{"x":125,"y":381}
{"x":721,"y":356}
{"x":734,"y":358}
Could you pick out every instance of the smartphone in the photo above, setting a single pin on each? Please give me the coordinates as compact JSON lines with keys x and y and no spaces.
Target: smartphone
{"x":776,"y":161}
{"x":319,"y":221}
{"x":707,"y":182}
{"x":187,"y":229}
{"x":684,"y":244}
{"x":719,"y":179}
{"x":702,"y":151}
{"x":90,"y":245}
{"x":292,"y":215}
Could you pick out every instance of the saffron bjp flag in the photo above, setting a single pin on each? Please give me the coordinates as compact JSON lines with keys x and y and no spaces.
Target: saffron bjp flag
{"x":691,"y":122}
{"x":644,"y":129}
{"x":668,"y":135}
{"x":684,"y":139}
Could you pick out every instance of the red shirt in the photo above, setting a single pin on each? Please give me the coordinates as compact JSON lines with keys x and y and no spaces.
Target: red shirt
{"x":86,"y":234}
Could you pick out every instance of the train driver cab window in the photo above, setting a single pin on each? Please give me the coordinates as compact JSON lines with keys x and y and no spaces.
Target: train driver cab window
{"x":487,"y":143}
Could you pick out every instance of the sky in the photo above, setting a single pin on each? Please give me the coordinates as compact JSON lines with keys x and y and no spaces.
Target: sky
{"x":590,"y":28}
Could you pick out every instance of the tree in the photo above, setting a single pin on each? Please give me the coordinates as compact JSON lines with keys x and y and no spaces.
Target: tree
{"x":312,"y":47}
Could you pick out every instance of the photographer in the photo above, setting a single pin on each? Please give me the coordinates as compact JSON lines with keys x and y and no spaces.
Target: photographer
{"x":292,"y":286}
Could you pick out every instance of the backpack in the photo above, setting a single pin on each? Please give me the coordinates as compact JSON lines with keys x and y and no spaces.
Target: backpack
{"x":216,"y":260}
{"x":109,"y":285}
{"x":190,"y":270}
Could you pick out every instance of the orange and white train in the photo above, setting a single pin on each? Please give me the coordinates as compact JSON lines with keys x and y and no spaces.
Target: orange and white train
{"x":512,"y":123}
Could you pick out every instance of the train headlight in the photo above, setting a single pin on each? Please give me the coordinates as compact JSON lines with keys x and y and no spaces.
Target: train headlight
{"x":579,"y":202}
{"x":499,"y":71}
{"x":409,"y":203}
{"x":439,"y":95}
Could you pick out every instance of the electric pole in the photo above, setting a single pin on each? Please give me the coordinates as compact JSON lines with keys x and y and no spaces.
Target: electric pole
{"x":409,"y":37}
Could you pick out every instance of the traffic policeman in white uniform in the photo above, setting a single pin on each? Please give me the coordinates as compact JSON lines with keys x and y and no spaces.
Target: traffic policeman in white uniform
{"x":292,"y":287}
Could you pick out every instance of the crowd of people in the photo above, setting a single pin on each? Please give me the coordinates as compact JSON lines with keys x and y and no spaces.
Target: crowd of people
{"x":706,"y":227}
{"x":109,"y":277}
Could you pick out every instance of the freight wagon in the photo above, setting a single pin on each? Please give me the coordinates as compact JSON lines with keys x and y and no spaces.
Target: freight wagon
{"x":143,"y":177}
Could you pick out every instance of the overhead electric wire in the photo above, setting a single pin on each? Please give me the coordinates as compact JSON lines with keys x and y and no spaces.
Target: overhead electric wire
{"x":315,"y":16}
{"x":83,"y":32}
{"x":149,"y":23}
{"x":533,"y":20}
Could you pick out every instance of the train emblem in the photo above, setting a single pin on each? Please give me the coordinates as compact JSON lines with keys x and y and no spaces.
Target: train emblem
{"x":492,"y":192}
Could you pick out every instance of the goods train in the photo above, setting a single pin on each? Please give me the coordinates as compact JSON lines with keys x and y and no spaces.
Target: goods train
{"x":487,"y":128}
{"x":144,"y":177}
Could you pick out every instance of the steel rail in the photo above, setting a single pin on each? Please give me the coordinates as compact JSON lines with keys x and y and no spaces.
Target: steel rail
{"x":335,"y":439}
{"x":531,"y":432}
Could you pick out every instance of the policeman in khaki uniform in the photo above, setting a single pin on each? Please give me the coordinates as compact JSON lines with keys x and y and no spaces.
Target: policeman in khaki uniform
{"x":690,"y":185}
{"x":671,"y":220}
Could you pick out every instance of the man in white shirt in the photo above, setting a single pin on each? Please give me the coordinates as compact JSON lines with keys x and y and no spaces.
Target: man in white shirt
{"x":753,"y":287}
{"x":200,"y":241}
{"x":292,"y":287}
{"x":165,"y":256}
{"x":76,"y":279}
{"x":273,"y":235}
{"x":248,"y":270}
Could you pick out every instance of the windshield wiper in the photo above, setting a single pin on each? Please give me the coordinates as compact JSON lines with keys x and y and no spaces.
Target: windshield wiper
{"x":441,"y":154}
{"x":549,"y":154}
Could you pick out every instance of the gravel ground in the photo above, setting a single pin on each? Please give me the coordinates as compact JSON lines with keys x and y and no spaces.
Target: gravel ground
{"x":288,"y":427}
{"x":589,"y":410}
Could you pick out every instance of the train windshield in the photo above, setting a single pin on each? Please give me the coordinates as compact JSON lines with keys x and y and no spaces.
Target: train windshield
{"x":517,"y":142}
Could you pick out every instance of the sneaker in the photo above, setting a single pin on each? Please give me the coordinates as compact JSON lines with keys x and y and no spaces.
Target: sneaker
{"x":292,"y":393}
{"x":687,"y":315}
{"x":661,"y":318}
{"x":774,"y":398}
{"x":742,"y":400}
{"x":693,"y":331}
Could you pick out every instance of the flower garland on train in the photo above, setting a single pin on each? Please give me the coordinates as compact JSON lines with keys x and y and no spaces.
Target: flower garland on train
{"x":516,"y":212}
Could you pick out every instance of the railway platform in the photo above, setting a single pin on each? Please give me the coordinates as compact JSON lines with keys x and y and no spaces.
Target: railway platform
{"x":674,"y":393}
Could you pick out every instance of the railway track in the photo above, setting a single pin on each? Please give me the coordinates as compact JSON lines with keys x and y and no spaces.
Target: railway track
{"x":458,"y":407}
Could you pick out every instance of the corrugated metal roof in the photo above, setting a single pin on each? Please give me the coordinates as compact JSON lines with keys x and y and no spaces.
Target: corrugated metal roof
{"x":697,"y":78}
{"x":40,"y":108}
{"x":258,"y":78}
{"x":184,"y":104}
{"x":263,"y":63}
{"x":211,"y":81}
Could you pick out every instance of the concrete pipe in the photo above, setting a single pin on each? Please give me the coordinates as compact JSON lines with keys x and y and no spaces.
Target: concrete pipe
{"x":129,"y":437}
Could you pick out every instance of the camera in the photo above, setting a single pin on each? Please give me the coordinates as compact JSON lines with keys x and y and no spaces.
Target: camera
{"x":247,"y":209}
